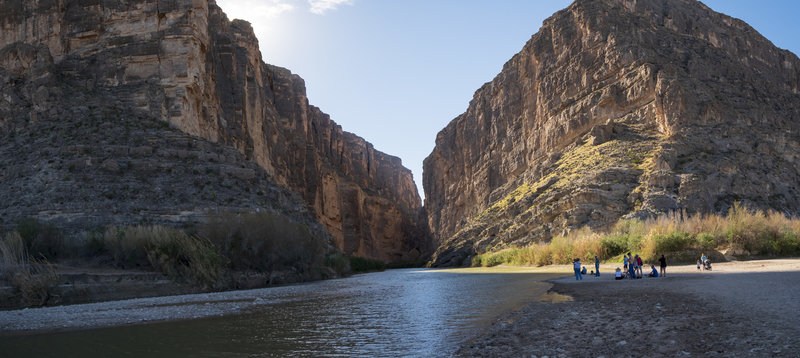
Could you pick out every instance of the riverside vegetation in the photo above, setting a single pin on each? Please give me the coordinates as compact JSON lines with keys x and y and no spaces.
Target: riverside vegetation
{"x":681,"y":237}
{"x":226,"y":252}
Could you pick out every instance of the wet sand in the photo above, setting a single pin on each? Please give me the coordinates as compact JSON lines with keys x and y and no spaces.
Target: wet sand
{"x":749,"y":308}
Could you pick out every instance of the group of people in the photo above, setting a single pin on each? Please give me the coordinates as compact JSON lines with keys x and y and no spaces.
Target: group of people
{"x":705,"y":262}
{"x":633,"y":268}
{"x":581,"y":270}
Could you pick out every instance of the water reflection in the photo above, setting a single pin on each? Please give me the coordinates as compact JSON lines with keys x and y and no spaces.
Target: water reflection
{"x":394,"y":313}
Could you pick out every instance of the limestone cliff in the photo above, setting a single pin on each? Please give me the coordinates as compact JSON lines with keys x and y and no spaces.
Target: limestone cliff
{"x":67,"y":63}
{"x":618,"y":108}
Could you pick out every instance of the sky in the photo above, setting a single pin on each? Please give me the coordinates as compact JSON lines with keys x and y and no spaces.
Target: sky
{"x":395,"y":72}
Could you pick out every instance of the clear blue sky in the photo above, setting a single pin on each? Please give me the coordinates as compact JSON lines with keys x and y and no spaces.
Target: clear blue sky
{"x":395,"y":72}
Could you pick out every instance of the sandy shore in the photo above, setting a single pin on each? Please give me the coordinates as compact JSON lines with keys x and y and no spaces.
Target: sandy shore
{"x":747,"y":308}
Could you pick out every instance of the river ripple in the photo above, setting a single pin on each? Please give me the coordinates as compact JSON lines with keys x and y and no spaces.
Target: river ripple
{"x":410,"y":312}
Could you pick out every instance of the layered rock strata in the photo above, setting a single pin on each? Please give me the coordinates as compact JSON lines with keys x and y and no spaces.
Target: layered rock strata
{"x":617,"y":109}
{"x":182,"y":62}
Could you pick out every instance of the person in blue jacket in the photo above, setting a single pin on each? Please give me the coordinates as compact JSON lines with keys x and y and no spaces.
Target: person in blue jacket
{"x":596,"y":266}
{"x":654,"y":272}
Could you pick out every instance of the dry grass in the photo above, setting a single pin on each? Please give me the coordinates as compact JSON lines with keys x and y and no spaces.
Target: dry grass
{"x":266,"y":242}
{"x":168,"y":250}
{"x":682,"y":237}
{"x":35,"y":280}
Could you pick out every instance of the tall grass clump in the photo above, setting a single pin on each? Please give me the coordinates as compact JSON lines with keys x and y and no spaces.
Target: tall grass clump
{"x":266,"y":242}
{"x":678,"y":235}
{"x":560,"y":250}
{"x":40,"y":239}
{"x":34,"y":279}
{"x":168,"y":250}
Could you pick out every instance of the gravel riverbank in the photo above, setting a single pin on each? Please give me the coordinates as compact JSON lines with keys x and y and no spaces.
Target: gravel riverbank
{"x":139,"y":310}
{"x":739,"y":309}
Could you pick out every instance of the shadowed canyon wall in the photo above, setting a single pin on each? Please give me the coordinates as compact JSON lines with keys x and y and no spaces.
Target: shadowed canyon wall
{"x":182,"y":62}
{"x":617,"y":109}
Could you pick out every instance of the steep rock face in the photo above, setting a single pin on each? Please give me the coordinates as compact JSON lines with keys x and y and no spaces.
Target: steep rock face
{"x":184,"y":63}
{"x":617,"y":108}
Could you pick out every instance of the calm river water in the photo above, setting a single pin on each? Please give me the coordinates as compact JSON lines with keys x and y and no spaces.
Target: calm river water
{"x":410,"y":312}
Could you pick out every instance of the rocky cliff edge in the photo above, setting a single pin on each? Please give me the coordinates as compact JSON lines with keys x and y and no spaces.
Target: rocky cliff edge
{"x":617,"y":109}
{"x":69,"y":64}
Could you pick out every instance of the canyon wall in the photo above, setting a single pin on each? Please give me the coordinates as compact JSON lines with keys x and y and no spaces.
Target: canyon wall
{"x":617,"y":109}
{"x":183,"y":63}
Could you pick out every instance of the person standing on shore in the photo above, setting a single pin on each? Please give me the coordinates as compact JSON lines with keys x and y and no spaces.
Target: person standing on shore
{"x":625,"y":262}
{"x":639,"y":265}
{"x":596,"y":266}
{"x":632,"y":269}
{"x":576,"y":264}
{"x":663,"y":262}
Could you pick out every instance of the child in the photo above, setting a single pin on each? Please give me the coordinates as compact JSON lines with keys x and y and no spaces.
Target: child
{"x":618,"y":274}
{"x":698,"y":265}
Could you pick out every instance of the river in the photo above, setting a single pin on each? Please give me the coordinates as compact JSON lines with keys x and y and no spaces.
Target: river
{"x":408,"y":312}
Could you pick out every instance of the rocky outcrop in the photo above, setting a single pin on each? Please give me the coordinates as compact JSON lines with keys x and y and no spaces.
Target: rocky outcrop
{"x":183,"y":63}
{"x":617,"y":109}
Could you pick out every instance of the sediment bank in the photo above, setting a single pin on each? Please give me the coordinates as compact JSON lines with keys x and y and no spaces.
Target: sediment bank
{"x":738,"y":309}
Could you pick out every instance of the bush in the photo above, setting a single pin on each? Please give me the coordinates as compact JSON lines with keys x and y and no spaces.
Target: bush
{"x":34,"y":279}
{"x":498,"y":258}
{"x":338,"y":263}
{"x":179,"y":255}
{"x":706,"y":241}
{"x":361,"y":264}
{"x":477,"y":261}
{"x":265,"y":242}
{"x":785,"y":244}
{"x":36,"y":282}
{"x":615,"y":245}
{"x":127,"y":246}
{"x":40,"y":239}
{"x":168,"y":250}
{"x":673,"y":242}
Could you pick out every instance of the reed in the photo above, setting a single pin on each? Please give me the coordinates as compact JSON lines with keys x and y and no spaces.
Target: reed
{"x":682,"y":237}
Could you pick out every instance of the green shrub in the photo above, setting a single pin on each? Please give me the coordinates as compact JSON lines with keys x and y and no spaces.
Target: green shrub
{"x":706,"y":241}
{"x":673,"y":242}
{"x":785,"y":244}
{"x":361,"y":264}
{"x":498,"y":258}
{"x":477,"y":261}
{"x":339,"y":263}
{"x":615,"y":245}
